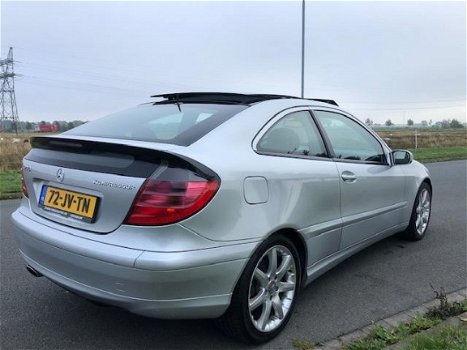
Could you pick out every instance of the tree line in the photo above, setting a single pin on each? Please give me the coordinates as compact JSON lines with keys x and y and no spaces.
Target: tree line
{"x":445,"y":123}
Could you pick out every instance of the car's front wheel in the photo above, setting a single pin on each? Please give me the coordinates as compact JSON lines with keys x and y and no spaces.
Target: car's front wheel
{"x":421,"y":214}
{"x":265,"y":295}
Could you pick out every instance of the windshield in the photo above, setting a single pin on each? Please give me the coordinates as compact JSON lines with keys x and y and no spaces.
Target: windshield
{"x":180,"y":124}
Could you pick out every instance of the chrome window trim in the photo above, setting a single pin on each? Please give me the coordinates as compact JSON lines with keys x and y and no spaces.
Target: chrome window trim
{"x":297,"y":156}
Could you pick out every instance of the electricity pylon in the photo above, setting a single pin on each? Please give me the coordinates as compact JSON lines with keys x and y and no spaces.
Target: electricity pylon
{"x":7,"y":93}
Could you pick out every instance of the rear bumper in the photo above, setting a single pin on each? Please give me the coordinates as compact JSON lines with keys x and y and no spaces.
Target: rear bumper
{"x":155,"y":284}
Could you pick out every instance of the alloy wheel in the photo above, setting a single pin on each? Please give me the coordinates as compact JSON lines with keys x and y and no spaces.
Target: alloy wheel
{"x":423,"y":211}
{"x":272,"y":288}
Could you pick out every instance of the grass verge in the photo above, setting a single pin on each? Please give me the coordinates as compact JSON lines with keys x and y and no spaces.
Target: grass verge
{"x":453,"y":338}
{"x":381,"y":337}
{"x":438,"y":154}
{"x":10,"y":184}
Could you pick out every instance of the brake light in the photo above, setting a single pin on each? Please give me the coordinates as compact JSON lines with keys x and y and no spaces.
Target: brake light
{"x":23,"y":184}
{"x":172,"y":196}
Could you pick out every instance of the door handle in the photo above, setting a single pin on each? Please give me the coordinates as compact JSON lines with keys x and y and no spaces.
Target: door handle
{"x":348,"y":176}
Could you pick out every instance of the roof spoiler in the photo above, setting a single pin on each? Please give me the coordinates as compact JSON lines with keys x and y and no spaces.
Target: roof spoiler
{"x":227,"y":97}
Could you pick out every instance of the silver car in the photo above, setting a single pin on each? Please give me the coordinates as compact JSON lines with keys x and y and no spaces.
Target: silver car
{"x":213,"y":205}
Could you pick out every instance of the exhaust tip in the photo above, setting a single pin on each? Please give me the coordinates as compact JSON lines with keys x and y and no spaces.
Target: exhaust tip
{"x":33,"y":271}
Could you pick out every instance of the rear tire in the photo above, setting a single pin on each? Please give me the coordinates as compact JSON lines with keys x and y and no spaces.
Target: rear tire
{"x":265,"y":296}
{"x":421,"y":214}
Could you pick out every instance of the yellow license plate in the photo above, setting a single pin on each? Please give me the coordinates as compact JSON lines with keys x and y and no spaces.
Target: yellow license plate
{"x":68,"y":203}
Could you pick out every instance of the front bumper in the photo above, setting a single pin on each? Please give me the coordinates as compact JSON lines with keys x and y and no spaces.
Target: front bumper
{"x":183,"y":284}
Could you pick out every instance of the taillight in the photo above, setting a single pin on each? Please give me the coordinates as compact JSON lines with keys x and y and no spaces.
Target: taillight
{"x":23,"y":184}
{"x":171,"y":196}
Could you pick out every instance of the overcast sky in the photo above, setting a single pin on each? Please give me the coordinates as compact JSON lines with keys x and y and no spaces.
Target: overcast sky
{"x":82,"y":60}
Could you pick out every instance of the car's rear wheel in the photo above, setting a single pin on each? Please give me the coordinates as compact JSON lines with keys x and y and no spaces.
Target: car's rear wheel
{"x":421,"y":214}
{"x":265,"y":295}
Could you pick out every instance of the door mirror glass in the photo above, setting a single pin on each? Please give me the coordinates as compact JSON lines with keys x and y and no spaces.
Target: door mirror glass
{"x":402,"y":157}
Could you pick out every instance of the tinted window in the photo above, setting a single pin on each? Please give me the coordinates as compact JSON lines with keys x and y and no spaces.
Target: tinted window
{"x":350,"y":140}
{"x":168,"y":123}
{"x":296,"y":133}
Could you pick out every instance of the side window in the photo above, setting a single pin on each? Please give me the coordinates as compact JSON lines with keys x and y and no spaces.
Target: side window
{"x":350,"y":140}
{"x":296,"y":133}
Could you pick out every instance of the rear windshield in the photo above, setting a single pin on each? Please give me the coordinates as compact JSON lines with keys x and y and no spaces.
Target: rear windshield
{"x":180,"y":124}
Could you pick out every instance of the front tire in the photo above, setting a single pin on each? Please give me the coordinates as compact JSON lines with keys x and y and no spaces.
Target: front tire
{"x":265,"y":296}
{"x":421,"y":214}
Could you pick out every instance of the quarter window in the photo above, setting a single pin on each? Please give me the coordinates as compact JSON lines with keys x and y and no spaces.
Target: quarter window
{"x":295,"y":134}
{"x":350,"y":140}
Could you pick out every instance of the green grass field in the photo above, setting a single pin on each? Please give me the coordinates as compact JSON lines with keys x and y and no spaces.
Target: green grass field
{"x":10,"y":184}
{"x":438,"y":154}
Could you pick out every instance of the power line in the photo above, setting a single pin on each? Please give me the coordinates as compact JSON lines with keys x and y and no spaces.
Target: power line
{"x":7,"y":93}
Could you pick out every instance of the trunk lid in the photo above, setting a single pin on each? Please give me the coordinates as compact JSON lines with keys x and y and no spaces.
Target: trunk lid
{"x":89,"y":183}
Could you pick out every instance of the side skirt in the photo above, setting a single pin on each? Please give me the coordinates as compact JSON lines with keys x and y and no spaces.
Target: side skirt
{"x":324,"y":265}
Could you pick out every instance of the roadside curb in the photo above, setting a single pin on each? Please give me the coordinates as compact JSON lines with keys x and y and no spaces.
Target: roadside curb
{"x":389,"y":322}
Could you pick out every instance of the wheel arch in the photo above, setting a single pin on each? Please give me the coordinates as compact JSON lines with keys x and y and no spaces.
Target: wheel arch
{"x":419,"y":184}
{"x":299,"y":242}
{"x":427,"y":180}
{"x":234,"y":322}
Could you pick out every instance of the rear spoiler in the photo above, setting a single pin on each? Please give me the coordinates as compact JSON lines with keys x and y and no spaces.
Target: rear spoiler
{"x":107,"y":157}
{"x":331,"y":102}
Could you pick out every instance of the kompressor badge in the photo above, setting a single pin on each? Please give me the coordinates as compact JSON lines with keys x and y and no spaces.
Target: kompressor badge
{"x":113,"y":185}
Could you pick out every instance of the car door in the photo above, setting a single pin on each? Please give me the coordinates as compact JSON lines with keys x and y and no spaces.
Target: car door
{"x":303,"y":180}
{"x":372,"y":191}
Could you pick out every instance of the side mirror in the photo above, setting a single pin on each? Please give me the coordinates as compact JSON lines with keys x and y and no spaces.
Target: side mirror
{"x":400,"y":156}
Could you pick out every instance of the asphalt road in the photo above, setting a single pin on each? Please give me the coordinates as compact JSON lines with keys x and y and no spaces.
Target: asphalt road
{"x":388,"y":277}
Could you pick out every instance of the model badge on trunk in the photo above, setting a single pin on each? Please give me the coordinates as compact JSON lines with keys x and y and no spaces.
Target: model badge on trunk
{"x":113,"y":184}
